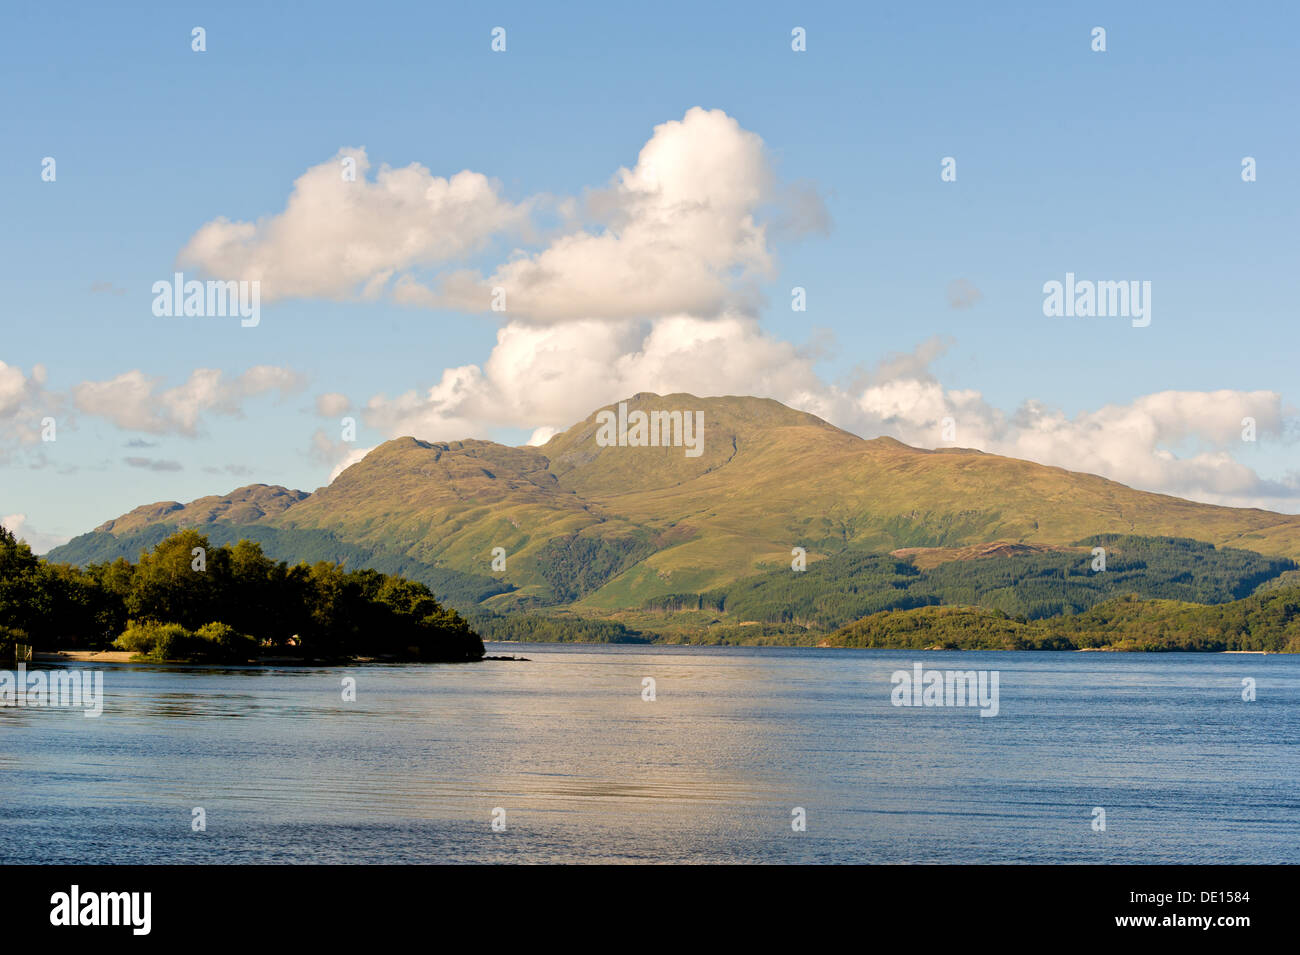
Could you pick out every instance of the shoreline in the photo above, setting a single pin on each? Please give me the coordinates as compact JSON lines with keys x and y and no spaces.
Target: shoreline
{"x":125,"y":656}
{"x":83,"y":656}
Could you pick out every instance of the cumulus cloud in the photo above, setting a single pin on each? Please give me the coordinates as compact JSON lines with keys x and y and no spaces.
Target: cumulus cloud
{"x":24,"y":403}
{"x":332,"y":404}
{"x":1136,"y":443}
{"x":681,"y":231}
{"x":649,"y":283}
{"x":338,"y":238}
{"x":351,"y":458}
{"x":680,"y":234}
{"x":18,"y":389}
{"x":134,"y":401}
{"x":541,"y":435}
{"x":547,"y":378}
{"x":39,"y":543}
{"x":552,"y":376}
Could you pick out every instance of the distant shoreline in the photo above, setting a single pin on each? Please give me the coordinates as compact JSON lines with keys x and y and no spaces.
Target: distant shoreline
{"x":126,"y":656}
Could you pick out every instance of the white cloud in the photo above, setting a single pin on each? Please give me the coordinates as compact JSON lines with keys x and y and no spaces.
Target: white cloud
{"x":350,"y":459}
{"x":133,"y":401}
{"x":679,"y":232}
{"x":24,"y":402}
{"x":680,"y":235}
{"x":340,"y":239}
{"x":332,"y":404}
{"x":38,"y":542}
{"x":547,"y":378}
{"x":648,"y":284}
{"x":1136,"y":443}
{"x":541,"y":435}
{"x":552,"y":376}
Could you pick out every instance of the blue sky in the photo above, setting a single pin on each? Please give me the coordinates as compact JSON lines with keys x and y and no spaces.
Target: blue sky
{"x":1115,"y":165}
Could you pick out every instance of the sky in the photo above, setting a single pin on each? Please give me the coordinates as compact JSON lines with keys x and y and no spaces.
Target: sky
{"x":638,"y":190}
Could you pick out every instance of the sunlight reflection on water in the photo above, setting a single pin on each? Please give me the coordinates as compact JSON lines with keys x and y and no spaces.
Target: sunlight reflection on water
{"x":710,"y":771}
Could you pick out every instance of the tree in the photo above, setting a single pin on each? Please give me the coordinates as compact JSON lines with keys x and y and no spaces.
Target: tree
{"x":23,"y":603}
{"x":178,"y":581}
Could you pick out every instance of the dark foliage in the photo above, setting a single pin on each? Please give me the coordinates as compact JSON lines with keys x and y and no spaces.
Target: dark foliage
{"x":545,"y":629}
{"x":317,"y":610}
{"x":575,"y":566}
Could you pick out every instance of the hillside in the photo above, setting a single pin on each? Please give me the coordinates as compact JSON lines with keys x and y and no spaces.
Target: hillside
{"x":1029,"y":586}
{"x":607,"y":528}
{"x":1268,"y":621}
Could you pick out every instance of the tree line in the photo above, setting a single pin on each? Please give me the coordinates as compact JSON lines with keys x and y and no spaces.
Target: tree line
{"x":1269,"y":621}
{"x":188,"y":600}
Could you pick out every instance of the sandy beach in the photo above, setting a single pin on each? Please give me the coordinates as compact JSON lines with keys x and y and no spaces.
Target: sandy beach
{"x":85,"y":656}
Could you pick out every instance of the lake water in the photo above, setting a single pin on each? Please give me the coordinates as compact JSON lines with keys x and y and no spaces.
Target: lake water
{"x":710,"y":771}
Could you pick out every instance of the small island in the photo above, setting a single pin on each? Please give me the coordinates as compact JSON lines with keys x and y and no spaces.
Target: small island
{"x":189,"y":602}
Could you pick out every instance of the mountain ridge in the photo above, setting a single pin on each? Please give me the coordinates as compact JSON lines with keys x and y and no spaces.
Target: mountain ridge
{"x":607,"y":527}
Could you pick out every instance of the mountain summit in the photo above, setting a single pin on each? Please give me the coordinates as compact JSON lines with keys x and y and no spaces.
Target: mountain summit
{"x":607,"y":525}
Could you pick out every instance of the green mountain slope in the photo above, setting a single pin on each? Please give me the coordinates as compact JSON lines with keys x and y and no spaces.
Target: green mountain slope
{"x":847,"y":586}
{"x":603,"y":528}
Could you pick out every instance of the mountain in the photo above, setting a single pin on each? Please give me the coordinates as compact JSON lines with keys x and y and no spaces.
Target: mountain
{"x":602,"y":528}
